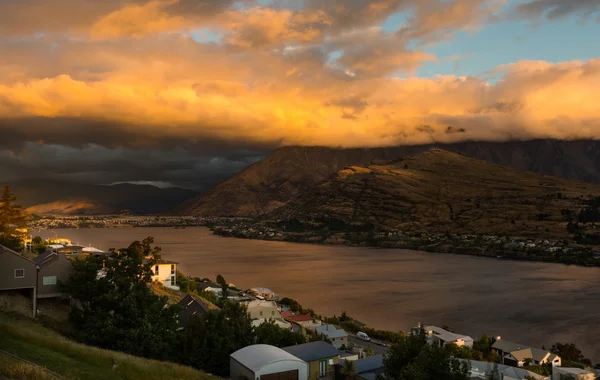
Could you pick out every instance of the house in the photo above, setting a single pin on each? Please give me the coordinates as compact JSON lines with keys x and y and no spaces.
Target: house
{"x":261,"y":311}
{"x":54,"y":268}
{"x":482,"y":370}
{"x":210,"y":287}
{"x":563,"y":373}
{"x":18,"y":273}
{"x":519,"y":355}
{"x":165,"y":272}
{"x":264,"y":362}
{"x":286,"y":314}
{"x":369,"y":367}
{"x":264,"y":293}
{"x":439,"y":337}
{"x":191,"y":306}
{"x":320,"y":356}
{"x":71,"y":250}
{"x":61,"y":241}
{"x":338,"y":337}
{"x":305,"y":321}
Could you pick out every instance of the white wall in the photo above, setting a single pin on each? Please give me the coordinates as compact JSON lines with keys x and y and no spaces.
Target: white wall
{"x":164,"y":274}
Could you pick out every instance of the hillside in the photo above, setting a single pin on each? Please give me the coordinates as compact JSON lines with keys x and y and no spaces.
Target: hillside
{"x":36,"y":344}
{"x":66,"y":198}
{"x":439,"y":191}
{"x":291,"y":171}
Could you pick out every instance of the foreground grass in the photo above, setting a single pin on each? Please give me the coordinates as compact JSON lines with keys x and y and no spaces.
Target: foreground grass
{"x":31,"y":341}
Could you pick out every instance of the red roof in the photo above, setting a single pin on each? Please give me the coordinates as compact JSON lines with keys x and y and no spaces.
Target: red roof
{"x":300,"y":318}
{"x":286,"y":314}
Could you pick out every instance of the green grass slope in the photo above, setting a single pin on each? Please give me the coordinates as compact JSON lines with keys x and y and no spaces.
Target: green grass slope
{"x":34,"y":343}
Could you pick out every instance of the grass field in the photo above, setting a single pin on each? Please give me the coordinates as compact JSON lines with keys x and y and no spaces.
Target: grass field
{"x":31,"y":341}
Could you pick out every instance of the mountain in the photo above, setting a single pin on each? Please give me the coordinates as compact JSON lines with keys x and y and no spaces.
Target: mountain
{"x":438,"y":191}
{"x":291,"y":171}
{"x":69,"y":198}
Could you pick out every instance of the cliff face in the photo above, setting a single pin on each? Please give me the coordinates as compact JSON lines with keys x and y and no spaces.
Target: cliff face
{"x":439,"y":191}
{"x":291,"y":171}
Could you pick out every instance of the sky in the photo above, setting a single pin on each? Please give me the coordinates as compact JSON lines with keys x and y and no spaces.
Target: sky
{"x":188,"y":92}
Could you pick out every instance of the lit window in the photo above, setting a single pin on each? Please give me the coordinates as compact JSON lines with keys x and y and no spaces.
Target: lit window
{"x":49,"y":280}
{"x":19,"y":273}
{"x":156,"y":270}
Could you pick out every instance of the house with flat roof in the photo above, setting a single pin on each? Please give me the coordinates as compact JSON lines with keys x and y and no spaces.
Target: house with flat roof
{"x":338,"y":337}
{"x":439,"y":337}
{"x":264,"y":362}
{"x":519,"y":355}
{"x":18,"y":273}
{"x":320,"y":356}
{"x":479,"y":370}
{"x":165,"y":272}
{"x":54,"y":268}
{"x":563,"y":373}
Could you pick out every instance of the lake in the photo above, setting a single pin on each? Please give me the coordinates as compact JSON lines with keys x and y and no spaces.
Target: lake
{"x":531,"y":303}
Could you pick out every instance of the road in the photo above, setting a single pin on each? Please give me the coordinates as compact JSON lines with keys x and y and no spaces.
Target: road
{"x":377,"y":349}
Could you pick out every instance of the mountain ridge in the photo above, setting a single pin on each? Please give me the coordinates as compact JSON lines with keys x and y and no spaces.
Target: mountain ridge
{"x":290,"y":171}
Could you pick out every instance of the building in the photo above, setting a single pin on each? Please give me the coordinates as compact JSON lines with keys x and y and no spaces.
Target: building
{"x":369,"y":367}
{"x":338,"y":337}
{"x":482,"y":370}
{"x":305,"y":321}
{"x":210,"y":287}
{"x":518,"y":355}
{"x":261,"y":311}
{"x":191,"y":306}
{"x":264,"y":293}
{"x":320,"y":356}
{"x":165,"y":272}
{"x":18,"y":273}
{"x":437,"y":336}
{"x":70,"y":250}
{"x":564,"y":373}
{"x":54,"y":268}
{"x":264,"y":362}
{"x":61,"y":241}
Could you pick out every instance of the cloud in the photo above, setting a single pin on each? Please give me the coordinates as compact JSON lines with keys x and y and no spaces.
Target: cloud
{"x":109,"y":90}
{"x":555,"y":9}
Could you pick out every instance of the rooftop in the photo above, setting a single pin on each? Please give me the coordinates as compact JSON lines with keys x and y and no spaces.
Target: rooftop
{"x":259,"y":355}
{"x":447,"y":336}
{"x":300,"y":318}
{"x":312,"y":351}
{"x":331,"y":331}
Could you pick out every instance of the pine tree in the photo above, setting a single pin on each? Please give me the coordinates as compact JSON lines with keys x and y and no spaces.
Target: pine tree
{"x":12,"y":217}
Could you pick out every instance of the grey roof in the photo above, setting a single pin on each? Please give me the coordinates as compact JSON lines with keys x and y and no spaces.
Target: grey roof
{"x":369,"y":364}
{"x":479,"y":369}
{"x":4,"y":249}
{"x":508,"y":346}
{"x":312,"y":351}
{"x":204,"y":285}
{"x":330,"y":331}
{"x":576,"y":371}
{"x":259,"y":355}
{"x":45,"y":258}
{"x":191,"y":306}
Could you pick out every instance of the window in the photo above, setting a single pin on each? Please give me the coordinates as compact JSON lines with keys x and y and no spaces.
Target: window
{"x":273,"y":312}
{"x":322,"y":368}
{"x":172,"y":280}
{"x":156,"y":270}
{"x":172,"y":268}
{"x":19,"y":273}
{"x":261,"y":314}
{"x":49,"y":280}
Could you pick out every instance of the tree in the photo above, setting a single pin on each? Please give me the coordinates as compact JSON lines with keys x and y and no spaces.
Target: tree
{"x":224,"y":287}
{"x":208,"y":340}
{"x":119,"y":311}
{"x":411,"y":358}
{"x":270,"y":333}
{"x":12,"y":217}
{"x":495,"y":374}
{"x":349,"y":370}
{"x":569,"y":352}
{"x":368,"y":351}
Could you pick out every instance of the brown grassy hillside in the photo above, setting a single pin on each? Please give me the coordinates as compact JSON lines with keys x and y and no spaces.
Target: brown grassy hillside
{"x":439,"y":191}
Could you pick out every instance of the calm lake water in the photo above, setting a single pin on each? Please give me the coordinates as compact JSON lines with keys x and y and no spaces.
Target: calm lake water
{"x":531,"y":303}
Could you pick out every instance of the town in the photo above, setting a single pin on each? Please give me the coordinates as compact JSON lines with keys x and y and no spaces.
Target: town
{"x":310,"y":346}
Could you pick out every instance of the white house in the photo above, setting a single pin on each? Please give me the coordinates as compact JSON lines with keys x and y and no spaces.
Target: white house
{"x":261,"y":311}
{"x":165,"y":272}
{"x":519,"y":355}
{"x":264,"y":362}
{"x":437,"y":336}
{"x":338,"y":337}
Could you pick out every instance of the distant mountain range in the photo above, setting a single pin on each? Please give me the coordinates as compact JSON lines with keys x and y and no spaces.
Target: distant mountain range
{"x":291,"y":171}
{"x":69,"y":198}
{"x":438,"y":191}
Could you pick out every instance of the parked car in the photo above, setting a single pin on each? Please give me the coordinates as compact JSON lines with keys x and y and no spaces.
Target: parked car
{"x":362,"y":336}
